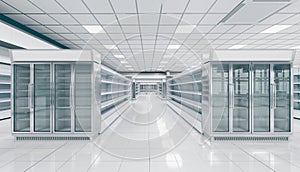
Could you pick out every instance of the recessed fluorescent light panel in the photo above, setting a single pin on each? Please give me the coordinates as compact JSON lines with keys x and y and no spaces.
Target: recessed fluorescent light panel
{"x":120,"y":56}
{"x":173,"y":47}
{"x":276,"y":28}
{"x":124,"y":62}
{"x":110,"y":47}
{"x":237,"y":47}
{"x":94,"y":28}
{"x":185,"y":28}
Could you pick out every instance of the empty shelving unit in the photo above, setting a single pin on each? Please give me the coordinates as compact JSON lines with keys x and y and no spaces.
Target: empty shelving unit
{"x":5,"y":84}
{"x":54,"y":94}
{"x":296,"y":73}
{"x":185,"y":97}
{"x":115,"y":95}
{"x":247,"y":95}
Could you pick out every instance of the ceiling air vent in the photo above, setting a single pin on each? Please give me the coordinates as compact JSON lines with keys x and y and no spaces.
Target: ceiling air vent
{"x":253,"y":11}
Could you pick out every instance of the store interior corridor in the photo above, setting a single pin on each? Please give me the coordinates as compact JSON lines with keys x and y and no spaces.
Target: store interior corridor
{"x":147,"y":137}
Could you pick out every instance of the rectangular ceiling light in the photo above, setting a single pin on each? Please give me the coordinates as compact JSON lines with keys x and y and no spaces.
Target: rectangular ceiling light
{"x":94,"y":28}
{"x":297,"y":47}
{"x":276,"y":28}
{"x":173,"y":47}
{"x":119,"y":56}
{"x":163,"y":62}
{"x":111,"y":47}
{"x":185,"y":28}
{"x":123,"y":61}
{"x":237,"y":47}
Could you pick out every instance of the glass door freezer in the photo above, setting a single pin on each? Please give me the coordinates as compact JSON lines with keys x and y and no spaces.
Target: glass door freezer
{"x":246,"y":99}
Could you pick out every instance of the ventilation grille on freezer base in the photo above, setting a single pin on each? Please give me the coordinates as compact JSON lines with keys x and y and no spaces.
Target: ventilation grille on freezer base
{"x":282,"y":138}
{"x":52,"y":138}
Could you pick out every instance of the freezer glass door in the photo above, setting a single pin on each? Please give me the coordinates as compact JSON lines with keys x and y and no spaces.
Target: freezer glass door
{"x":63,"y":93}
{"x":282,"y":97}
{"x":261,"y":97}
{"x":83,"y":97}
{"x":220,"y":97}
{"x":42,"y":97}
{"x":240,"y":101}
{"x":22,"y":97}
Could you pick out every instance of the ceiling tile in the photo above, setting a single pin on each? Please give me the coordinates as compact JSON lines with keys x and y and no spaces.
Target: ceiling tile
{"x":238,"y":28}
{"x":74,"y":6}
{"x":166,"y":29}
{"x":130,"y":29}
{"x":25,"y":6}
{"x":224,"y":6}
{"x":169,"y":19}
{"x":106,"y":19}
{"x":292,"y":20}
{"x":97,"y":6}
{"x":22,"y":19}
{"x":148,"y":19}
{"x":124,"y":6}
{"x":76,"y":29}
{"x":221,"y":28}
{"x":49,"y":6}
{"x":43,"y":19}
{"x":128,"y":19}
{"x":146,"y":6}
{"x":69,"y":36}
{"x":40,"y":29}
{"x":148,"y":29}
{"x":85,"y":19}
{"x":64,"y":19}
{"x":174,"y":6}
{"x":191,"y":18}
{"x":197,"y":6}
{"x":58,"y":29}
{"x":275,"y":18}
{"x":4,"y":8}
{"x":292,"y":7}
{"x":212,"y":18}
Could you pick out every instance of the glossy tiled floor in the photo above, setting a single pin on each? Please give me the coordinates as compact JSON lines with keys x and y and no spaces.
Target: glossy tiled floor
{"x":148,"y":137}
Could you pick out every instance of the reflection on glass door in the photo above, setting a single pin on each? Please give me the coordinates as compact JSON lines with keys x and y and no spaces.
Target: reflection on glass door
{"x":220,"y":97}
{"x":83,"y":97}
{"x":261,"y":97}
{"x":22,"y":97}
{"x":63,"y":93}
{"x":240,"y":100}
{"x":42,"y":97}
{"x":282,"y":100}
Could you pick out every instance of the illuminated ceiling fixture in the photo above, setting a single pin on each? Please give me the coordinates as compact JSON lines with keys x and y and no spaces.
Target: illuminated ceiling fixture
{"x":173,"y":47}
{"x":297,"y":47}
{"x":237,"y":47}
{"x":119,"y":56}
{"x":94,"y":28}
{"x":276,"y":28}
{"x":111,"y":47}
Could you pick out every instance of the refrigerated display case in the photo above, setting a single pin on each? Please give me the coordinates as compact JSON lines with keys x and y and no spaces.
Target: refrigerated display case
{"x":54,"y":94}
{"x":247,"y":99}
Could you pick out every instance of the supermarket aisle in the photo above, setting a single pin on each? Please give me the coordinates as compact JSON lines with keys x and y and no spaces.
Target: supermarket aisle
{"x":147,"y":137}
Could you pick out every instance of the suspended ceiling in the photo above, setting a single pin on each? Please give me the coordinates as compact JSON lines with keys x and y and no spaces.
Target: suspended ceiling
{"x":151,"y":35}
